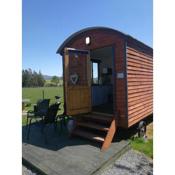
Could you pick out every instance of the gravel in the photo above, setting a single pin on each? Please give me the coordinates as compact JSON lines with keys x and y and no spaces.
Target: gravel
{"x":131,"y":163}
{"x":26,"y":171}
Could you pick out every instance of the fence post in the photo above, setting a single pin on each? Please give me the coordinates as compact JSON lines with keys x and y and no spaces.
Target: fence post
{"x":43,"y":93}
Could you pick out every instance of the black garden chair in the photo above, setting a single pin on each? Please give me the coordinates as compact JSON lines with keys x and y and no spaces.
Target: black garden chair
{"x":39,"y":111}
{"x":50,"y":118}
{"x":62,"y":117}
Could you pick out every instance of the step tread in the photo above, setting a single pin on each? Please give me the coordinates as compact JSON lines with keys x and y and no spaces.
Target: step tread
{"x":93,"y":126}
{"x":88,"y":135}
{"x":98,"y":117}
{"x":103,"y":114}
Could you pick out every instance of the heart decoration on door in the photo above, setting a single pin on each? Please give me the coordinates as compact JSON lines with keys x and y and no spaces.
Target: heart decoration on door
{"x":74,"y":78}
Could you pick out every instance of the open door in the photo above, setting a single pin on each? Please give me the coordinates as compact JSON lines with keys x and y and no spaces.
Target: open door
{"x":77,"y":81}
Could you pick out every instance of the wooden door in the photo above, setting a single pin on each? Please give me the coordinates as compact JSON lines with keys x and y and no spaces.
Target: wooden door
{"x":77,"y":77}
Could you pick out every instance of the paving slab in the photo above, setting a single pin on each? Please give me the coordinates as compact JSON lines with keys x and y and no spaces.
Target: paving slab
{"x":63,"y":155}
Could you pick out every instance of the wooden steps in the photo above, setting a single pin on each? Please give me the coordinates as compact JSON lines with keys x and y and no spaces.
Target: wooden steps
{"x":98,"y":127}
{"x":98,"y":117}
{"x":93,"y":126}
{"x":102,"y":114}
{"x":88,"y":135}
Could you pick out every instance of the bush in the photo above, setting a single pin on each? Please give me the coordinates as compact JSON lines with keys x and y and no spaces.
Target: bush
{"x":50,"y":84}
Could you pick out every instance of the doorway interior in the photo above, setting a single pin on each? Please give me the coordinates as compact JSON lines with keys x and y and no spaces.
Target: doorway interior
{"x":102,"y":83}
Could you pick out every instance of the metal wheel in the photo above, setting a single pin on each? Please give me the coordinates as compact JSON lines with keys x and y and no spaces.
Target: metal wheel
{"x":141,"y":129}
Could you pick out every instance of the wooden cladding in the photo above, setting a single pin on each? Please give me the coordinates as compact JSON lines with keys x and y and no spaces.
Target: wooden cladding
{"x":78,"y":65}
{"x":140,"y":85}
{"x":78,"y":94}
{"x":132,"y":94}
{"x":79,"y":100}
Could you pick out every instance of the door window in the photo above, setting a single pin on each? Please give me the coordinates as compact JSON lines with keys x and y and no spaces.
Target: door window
{"x":95,"y":72}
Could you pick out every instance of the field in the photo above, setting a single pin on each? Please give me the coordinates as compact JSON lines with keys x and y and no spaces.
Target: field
{"x":47,"y":82}
{"x":35,"y":94}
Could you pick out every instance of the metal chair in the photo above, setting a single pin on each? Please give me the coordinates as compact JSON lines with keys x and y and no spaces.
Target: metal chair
{"x":51,"y":118}
{"x":39,"y":111}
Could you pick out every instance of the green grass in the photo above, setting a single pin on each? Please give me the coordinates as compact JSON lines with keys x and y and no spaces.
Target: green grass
{"x":145,"y":147}
{"x":35,"y":94}
{"x":24,"y":120}
{"x":49,"y":82}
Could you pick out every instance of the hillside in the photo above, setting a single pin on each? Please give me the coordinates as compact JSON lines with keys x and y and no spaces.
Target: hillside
{"x":47,"y":77}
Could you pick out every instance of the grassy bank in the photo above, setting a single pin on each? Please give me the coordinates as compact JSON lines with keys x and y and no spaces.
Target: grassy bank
{"x":143,"y":146}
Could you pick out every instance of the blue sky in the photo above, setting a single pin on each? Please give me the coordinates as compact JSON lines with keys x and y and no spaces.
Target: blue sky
{"x":47,"y":23}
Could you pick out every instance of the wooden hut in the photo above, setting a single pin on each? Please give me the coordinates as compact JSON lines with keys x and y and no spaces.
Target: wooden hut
{"x":108,"y":82}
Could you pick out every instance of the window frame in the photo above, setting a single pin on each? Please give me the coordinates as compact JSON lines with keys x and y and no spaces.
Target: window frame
{"x":98,"y":65}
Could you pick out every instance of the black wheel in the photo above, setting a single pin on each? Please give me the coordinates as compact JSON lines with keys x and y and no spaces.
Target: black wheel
{"x":142,"y":129}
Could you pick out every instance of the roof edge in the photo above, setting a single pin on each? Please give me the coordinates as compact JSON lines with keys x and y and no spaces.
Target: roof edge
{"x":60,"y":49}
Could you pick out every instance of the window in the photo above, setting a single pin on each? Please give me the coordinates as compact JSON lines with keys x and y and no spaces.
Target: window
{"x":95,"y":71}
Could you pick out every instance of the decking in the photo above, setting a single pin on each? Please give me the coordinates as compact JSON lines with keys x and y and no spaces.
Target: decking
{"x":64,"y":155}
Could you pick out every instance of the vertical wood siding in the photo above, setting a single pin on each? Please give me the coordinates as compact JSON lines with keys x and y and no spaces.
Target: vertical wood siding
{"x":140,"y":85}
{"x":82,"y":90}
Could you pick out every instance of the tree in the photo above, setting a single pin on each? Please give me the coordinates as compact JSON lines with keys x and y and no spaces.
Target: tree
{"x":26,"y":78}
{"x":55,"y":80}
{"x":41,"y":80}
{"x":32,"y":78}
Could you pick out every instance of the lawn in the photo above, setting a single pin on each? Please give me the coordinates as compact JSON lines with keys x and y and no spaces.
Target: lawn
{"x":35,"y":94}
{"x":143,"y":146}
